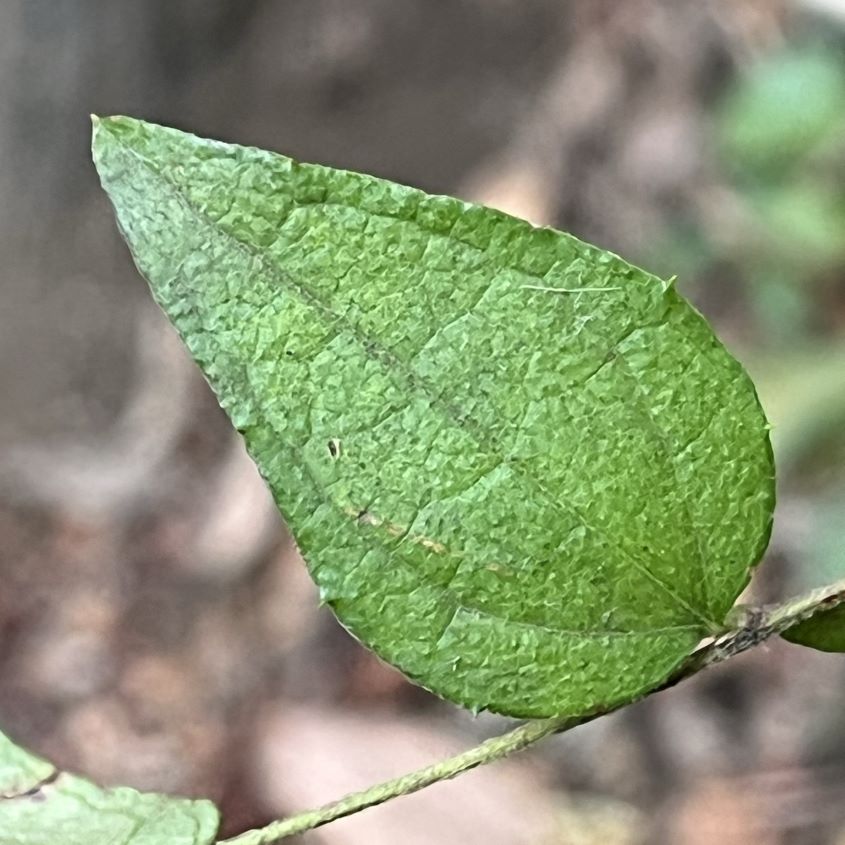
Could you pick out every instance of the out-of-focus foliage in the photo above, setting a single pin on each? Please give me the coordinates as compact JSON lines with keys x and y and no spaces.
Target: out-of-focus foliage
{"x":40,"y":805}
{"x":776,"y":229}
{"x":781,"y":131}
{"x":789,"y":105}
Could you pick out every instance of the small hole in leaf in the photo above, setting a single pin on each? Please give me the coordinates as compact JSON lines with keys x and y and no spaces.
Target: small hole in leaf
{"x":334,"y":448}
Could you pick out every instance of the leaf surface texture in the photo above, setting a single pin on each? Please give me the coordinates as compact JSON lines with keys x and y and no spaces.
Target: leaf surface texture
{"x":520,"y":469}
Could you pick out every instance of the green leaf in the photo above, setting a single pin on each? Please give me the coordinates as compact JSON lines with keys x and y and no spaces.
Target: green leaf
{"x":788,"y":105}
{"x":42,"y":806}
{"x":519,"y":469}
{"x":820,"y":622}
{"x":825,"y":631}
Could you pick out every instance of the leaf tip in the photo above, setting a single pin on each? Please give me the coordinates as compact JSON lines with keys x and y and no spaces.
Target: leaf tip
{"x":95,"y":127}
{"x":105,"y":130}
{"x":113,"y":124}
{"x":98,"y":124}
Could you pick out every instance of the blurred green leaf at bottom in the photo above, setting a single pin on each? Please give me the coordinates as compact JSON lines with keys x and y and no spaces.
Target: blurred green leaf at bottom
{"x":40,"y":805}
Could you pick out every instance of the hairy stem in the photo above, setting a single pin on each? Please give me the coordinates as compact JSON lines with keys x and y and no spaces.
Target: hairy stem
{"x":487,"y":752}
{"x":753,"y":626}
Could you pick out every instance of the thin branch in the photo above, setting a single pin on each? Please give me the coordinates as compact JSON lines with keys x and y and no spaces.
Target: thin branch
{"x":493,"y":749}
{"x":753,"y":626}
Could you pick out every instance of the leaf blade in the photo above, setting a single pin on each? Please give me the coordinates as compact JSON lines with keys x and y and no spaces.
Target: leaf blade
{"x":411,"y":394}
{"x":41,"y":806}
{"x":825,"y":631}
